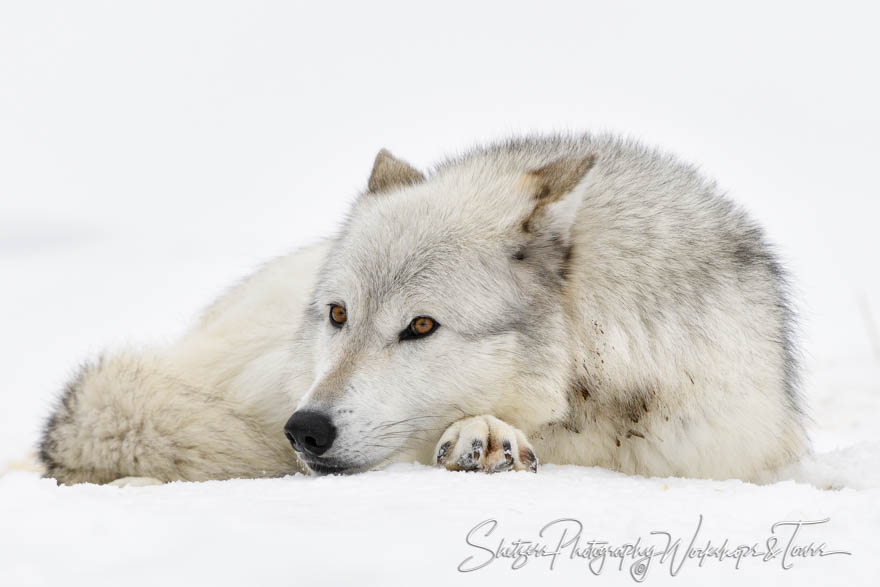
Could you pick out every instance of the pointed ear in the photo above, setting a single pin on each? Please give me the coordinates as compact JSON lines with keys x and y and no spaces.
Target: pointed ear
{"x":389,"y":172}
{"x":556,"y":191}
{"x":553,"y":189}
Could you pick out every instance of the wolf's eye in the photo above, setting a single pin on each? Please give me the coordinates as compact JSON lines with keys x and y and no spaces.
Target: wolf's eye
{"x":419,"y":328}
{"x":338,"y":315}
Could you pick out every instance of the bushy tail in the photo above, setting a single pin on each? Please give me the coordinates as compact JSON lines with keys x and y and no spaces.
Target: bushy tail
{"x":129,"y":415}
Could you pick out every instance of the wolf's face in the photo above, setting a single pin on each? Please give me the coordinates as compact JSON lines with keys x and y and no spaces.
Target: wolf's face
{"x":437,"y":302}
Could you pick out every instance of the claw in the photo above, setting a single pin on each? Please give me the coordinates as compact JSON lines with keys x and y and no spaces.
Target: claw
{"x":529,"y":459}
{"x":484,"y":443}
{"x":503,"y":466}
{"x":478,"y":449}
{"x":471,"y":461}
{"x":441,"y":454}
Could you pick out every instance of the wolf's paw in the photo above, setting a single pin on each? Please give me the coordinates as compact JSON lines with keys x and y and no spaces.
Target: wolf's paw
{"x":485,"y":443}
{"x":135,"y":482}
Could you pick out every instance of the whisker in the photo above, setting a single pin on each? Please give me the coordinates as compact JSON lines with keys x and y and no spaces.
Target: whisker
{"x":404,"y":421}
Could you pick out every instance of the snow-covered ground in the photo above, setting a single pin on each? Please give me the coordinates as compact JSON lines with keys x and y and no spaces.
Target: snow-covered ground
{"x":151,"y":154}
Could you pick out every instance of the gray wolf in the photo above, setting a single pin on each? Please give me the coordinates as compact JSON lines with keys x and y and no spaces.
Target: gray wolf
{"x":570,"y":299}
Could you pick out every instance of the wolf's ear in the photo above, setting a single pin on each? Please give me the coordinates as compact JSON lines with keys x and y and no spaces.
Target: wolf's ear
{"x":555,"y":191}
{"x":553,"y":188}
{"x":389,"y":172}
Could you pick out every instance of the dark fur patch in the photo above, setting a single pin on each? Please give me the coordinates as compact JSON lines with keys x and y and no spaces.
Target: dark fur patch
{"x":48,"y":447}
{"x":567,"y":254}
{"x":633,"y":406}
{"x":582,"y":389}
{"x":566,"y":262}
{"x":62,"y":414}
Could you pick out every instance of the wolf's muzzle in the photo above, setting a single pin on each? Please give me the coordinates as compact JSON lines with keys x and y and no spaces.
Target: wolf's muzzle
{"x":310,"y":432}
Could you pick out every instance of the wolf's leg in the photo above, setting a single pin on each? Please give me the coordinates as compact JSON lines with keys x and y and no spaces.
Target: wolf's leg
{"x":485,"y":443}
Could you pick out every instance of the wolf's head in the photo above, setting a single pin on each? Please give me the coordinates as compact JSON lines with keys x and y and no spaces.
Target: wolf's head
{"x":443,"y":297}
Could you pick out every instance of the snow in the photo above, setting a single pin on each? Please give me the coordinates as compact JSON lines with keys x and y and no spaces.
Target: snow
{"x":152,"y":154}
{"x":405,"y":525}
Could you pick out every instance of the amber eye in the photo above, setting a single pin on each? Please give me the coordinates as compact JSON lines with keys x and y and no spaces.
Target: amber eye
{"x":338,"y":315}
{"x":422,"y":326}
{"x":419,"y":327}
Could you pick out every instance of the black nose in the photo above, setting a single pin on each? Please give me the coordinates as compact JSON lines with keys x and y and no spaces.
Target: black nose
{"x":310,"y":432}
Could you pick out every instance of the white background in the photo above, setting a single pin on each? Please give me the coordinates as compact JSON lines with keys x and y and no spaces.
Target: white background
{"x":151,"y":153}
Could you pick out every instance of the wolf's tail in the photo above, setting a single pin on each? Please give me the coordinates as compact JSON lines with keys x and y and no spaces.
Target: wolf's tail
{"x":106,"y":423}
{"x":132,"y":415}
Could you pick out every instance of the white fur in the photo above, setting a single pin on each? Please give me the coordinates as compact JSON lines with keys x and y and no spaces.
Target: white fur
{"x":661,"y":352}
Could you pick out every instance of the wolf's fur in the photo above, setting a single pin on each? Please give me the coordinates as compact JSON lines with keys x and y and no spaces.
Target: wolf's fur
{"x":602,"y":298}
